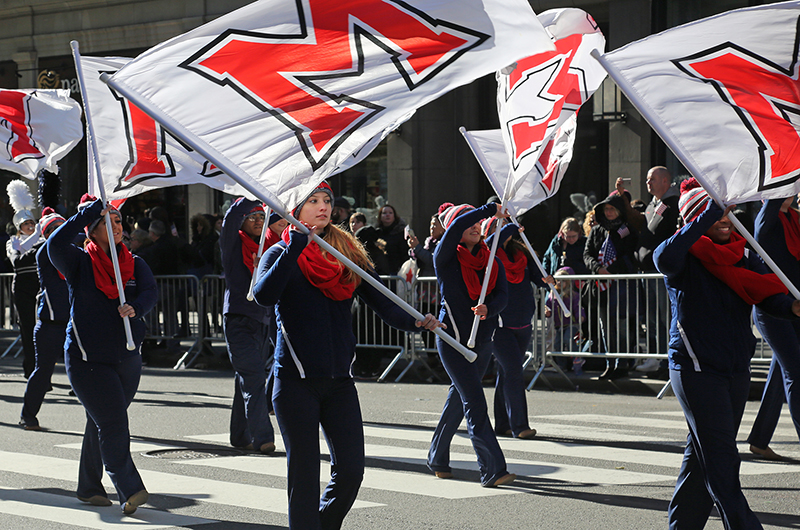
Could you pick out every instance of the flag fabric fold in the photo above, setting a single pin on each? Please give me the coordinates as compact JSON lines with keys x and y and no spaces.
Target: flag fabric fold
{"x":37,"y":129}
{"x":546,"y":176}
{"x":724,"y":94}
{"x":136,"y":154}
{"x":291,"y":92}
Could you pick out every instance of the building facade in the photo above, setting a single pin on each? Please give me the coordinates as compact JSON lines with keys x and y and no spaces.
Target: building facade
{"x":422,"y":164}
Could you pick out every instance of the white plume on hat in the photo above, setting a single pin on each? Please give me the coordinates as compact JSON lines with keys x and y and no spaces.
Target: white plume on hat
{"x":19,"y":196}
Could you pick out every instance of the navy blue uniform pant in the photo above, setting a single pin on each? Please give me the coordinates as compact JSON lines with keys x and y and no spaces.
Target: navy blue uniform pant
{"x":782,"y":337}
{"x":466,"y":399}
{"x":248,"y":350}
{"x":106,"y":391}
{"x":510,"y":405}
{"x":713,"y":406}
{"x":49,"y":338}
{"x":301,"y":407}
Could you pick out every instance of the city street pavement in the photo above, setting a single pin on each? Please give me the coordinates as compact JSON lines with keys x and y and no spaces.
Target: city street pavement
{"x":602,"y":460}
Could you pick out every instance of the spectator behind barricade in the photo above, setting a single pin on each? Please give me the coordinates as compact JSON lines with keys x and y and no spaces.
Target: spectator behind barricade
{"x":611,"y":249}
{"x":164,"y":251}
{"x":658,"y":222}
{"x":340,"y":214}
{"x":423,"y":254}
{"x":589,"y":222}
{"x":368,"y":235}
{"x":204,"y":242}
{"x":391,"y":230}
{"x":160,"y":213}
{"x":566,"y":328}
{"x":356,"y":221}
{"x":140,"y":241}
{"x":566,"y":249}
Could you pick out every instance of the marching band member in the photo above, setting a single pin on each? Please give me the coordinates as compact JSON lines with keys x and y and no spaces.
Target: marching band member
{"x":313,"y":293}
{"x":713,"y":282}
{"x":104,"y":374}
{"x":50,"y":330}
{"x":460,"y":260}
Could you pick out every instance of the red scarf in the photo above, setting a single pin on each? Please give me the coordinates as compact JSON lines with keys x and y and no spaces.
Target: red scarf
{"x":515,"y":270}
{"x":721,"y":260}
{"x":470,"y":265}
{"x":103,"y":268}
{"x":249,"y":247}
{"x":324,"y":273}
{"x":791,"y":231}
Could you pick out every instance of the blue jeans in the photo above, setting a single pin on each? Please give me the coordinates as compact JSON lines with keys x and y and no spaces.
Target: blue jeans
{"x":301,"y":406}
{"x":248,"y":350}
{"x":48,"y":338}
{"x":713,"y":406}
{"x":106,"y":391}
{"x":510,"y":405}
{"x":466,"y":399}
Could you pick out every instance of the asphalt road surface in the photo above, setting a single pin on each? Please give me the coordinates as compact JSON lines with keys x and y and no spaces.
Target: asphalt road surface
{"x":602,"y":460}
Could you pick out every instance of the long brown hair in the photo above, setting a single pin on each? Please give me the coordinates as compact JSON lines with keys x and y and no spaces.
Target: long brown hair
{"x":347,"y":244}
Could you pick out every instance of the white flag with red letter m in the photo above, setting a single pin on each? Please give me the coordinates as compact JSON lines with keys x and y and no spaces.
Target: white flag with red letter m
{"x":724,"y":95}
{"x":136,"y":153}
{"x":37,"y":129}
{"x":537,"y":94}
{"x":289,"y":90}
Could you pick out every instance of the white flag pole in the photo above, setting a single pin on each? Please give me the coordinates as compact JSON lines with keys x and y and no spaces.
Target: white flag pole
{"x":76,"y":55}
{"x":487,"y":170}
{"x":690,"y":164}
{"x":234,"y":172}
{"x":476,"y":320}
{"x":260,"y":253}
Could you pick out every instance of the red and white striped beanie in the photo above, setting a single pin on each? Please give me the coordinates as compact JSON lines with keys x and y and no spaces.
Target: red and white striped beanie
{"x":694,"y":200}
{"x":488,"y":226}
{"x":449,"y":215}
{"x":48,"y":217}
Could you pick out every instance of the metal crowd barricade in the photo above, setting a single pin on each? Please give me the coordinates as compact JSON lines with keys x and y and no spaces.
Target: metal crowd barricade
{"x":8,"y":317}
{"x":621,"y":316}
{"x":373,"y":333}
{"x":175,"y":315}
{"x":626,"y":316}
{"x":209,"y":302}
{"x":424,"y":296}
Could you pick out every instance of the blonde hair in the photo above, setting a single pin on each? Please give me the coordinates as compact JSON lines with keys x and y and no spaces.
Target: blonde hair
{"x":588,"y":221}
{"x":347,"y":244}
{"x":565,"y":284}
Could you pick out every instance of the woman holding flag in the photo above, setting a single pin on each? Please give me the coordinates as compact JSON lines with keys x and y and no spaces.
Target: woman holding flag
{"x":104,"y":374}
{"x":777,"y":230}
{"x":513,"y":333}
{"x":713,"y":282}
{"x":461,"y":259}
{"x":313,"y":293}
{"x":246,"y":326}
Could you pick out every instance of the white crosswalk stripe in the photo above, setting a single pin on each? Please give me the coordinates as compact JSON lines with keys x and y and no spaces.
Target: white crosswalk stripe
{"x":592,"y":459}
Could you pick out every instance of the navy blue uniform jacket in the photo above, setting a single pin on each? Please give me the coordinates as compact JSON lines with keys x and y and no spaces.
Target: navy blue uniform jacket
{"x":710,"y":328}
{"x":237,"y":275}
{"x":95,"y":331}
{"x":456,"y":302}
{"x":521,"y":305}
{"x":53,"y":292}
{"x":315,"y":333}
